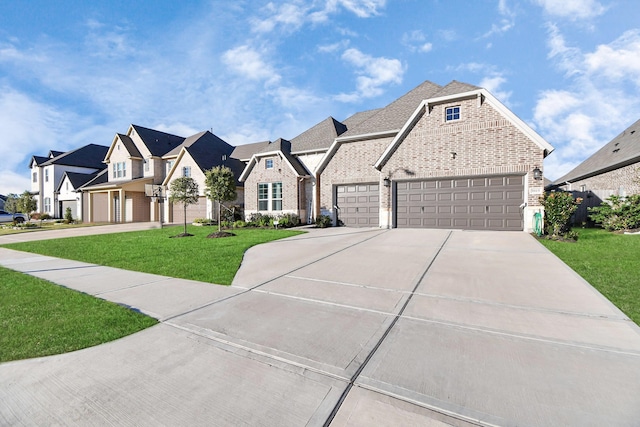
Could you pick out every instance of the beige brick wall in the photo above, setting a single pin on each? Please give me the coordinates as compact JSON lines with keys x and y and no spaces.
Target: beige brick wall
{"x":623,"y":181}
{"x":351,"y":163}
{"x":281,"y":172}
{"x":484,"y":141}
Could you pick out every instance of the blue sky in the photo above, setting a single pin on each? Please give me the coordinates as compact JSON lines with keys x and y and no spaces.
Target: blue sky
{"x":74,"y":73}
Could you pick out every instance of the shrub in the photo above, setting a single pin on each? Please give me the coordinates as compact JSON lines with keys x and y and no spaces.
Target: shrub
{"x":558,"y":208}
{"x":261,"y":220}
{"x":288,"y":220}
{"x":239,"y":224}
{"x":45,"y":216}
{"x":323,"y":221}
{"x":617,"y":213}
{"x":68,"y":218}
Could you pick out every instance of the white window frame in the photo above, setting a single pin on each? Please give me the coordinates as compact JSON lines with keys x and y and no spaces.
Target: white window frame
{"x":273,"y":199}
{"x":452,"y":114}
{"x":186,"y":171}
{"x":169,"y":165}
{"x":47,"y":204}
{"x":35,"y":177}
{"x":268,"y":163}
{"x":146,"y":165}
{"x":46,"y":175}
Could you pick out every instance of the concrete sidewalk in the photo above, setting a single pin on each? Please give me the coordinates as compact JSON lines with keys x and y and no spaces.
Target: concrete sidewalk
{"x":348,"y":327}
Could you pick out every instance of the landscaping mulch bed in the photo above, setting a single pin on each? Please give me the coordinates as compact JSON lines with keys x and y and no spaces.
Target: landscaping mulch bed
{"x":219,"y":234}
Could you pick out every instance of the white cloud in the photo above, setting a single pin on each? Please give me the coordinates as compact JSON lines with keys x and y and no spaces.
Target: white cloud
{"x":619,"y":60}
{"x":334,"y":47}
{"x":599,"y":102}
{"x":492,"y":83}
{"x":373,"y":74}
{"x":507,"y":20}
{"x":416,"y":41}
{"x":250,"y":63}
{"x":572,"y":9}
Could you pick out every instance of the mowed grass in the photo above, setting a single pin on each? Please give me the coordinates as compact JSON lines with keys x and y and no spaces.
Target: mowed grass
{"x":39,"y":318}
{"x":610,"y":262}
{"x":153,"y":251}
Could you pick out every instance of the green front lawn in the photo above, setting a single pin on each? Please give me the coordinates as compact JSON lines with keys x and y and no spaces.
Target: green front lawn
{"x":38,"y":318}
{"x":610,"y":262}
{"x":153,"y":251}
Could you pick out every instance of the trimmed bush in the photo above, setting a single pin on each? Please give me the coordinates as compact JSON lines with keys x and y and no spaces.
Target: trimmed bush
{"x":323,"y":221}
{"x":617,"y":213}
{"x":559,"y":206}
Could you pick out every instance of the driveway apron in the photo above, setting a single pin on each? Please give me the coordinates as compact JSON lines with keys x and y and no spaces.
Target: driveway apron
{"x":348,"y":328}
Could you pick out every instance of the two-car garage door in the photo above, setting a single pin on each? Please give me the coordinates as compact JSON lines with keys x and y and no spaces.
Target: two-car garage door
{"x":475,"y":203}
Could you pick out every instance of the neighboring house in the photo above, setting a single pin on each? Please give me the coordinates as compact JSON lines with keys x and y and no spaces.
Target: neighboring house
{"x":612,"y":170}
{"x":192,"y":158}
{"x":3,"y":199}
{"x":133,"y":160}
{"x":274,"y":181}
{"x":47,"y":173}
{"x":437,"y":157}
{"x":69,"y":192}
{"x":274,"y":190}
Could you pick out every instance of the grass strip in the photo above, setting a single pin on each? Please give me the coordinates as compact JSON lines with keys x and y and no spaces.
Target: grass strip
{"x":153,"y":251}
{"x":608,"y":261}
{"x":39,"y":318}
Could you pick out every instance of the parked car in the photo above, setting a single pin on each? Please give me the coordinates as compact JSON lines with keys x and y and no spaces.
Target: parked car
{"x":11,"y":217}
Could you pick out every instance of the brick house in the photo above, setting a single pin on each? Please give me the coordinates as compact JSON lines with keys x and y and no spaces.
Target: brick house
{"x":612,"y":170}
{"x":437,"y":157}
{"x":274,"y":181}
{"x":197,"y":154}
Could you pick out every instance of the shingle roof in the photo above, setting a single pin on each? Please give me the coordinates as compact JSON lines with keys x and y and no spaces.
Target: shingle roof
{"x":318,"y":137}
{"x":130,"y":145}
{"x":623,"y":150}
{"x":158,"y":143}
{"x":89,"y":156}
{"x":207,"y":150}
{"x":77,"y":179}
{"x":455,"y":87}
{"x":39,"y":160}
{"x":396,"y":114}
{"x":359,"y":117}
{"x":245,"y":151}
{"x":54,"y":153}
{"x":101,"y":177}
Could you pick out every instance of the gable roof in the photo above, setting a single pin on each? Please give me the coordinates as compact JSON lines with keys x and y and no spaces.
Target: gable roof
{"x":158,"y":143}
{"x":54,"y":153}
{"x":207,"y":150}
{"x":450,"y":94}
{"x":129,"y":145}
{"x":89,"y":156}
{"x":318,"y":137}
{"x":39,"y":160}
{"x":395,"y":115}
{"x":359,"y":117}
{"x":76,"y":179}
{"x":101,"y":177}
{"x":244,"y":152}
{"x":621,"y":151}
{"x":280,"y":147}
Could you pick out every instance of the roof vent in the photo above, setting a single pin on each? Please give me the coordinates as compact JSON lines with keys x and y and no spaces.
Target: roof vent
{"x":632,"y":132}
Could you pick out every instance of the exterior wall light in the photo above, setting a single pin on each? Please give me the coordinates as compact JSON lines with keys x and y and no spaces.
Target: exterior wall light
{"x":537,"y":173}
{"x":387,"y":182}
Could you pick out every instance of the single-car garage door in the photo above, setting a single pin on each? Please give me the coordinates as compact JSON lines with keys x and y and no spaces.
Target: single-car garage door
{"x":197,"y":210}
{"x":358,"y":205}
{"x":474,"y":203}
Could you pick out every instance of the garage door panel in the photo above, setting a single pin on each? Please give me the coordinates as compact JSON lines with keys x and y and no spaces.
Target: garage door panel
{"x":360,"y":207}
{"x":468,"y":203}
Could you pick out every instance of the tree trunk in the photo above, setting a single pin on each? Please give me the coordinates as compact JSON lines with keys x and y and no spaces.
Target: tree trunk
{"x":185,"y":217}
{"x":219,"y":216}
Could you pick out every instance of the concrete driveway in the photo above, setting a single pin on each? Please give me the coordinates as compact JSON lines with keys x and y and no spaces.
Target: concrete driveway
{"x":349,"y":328}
